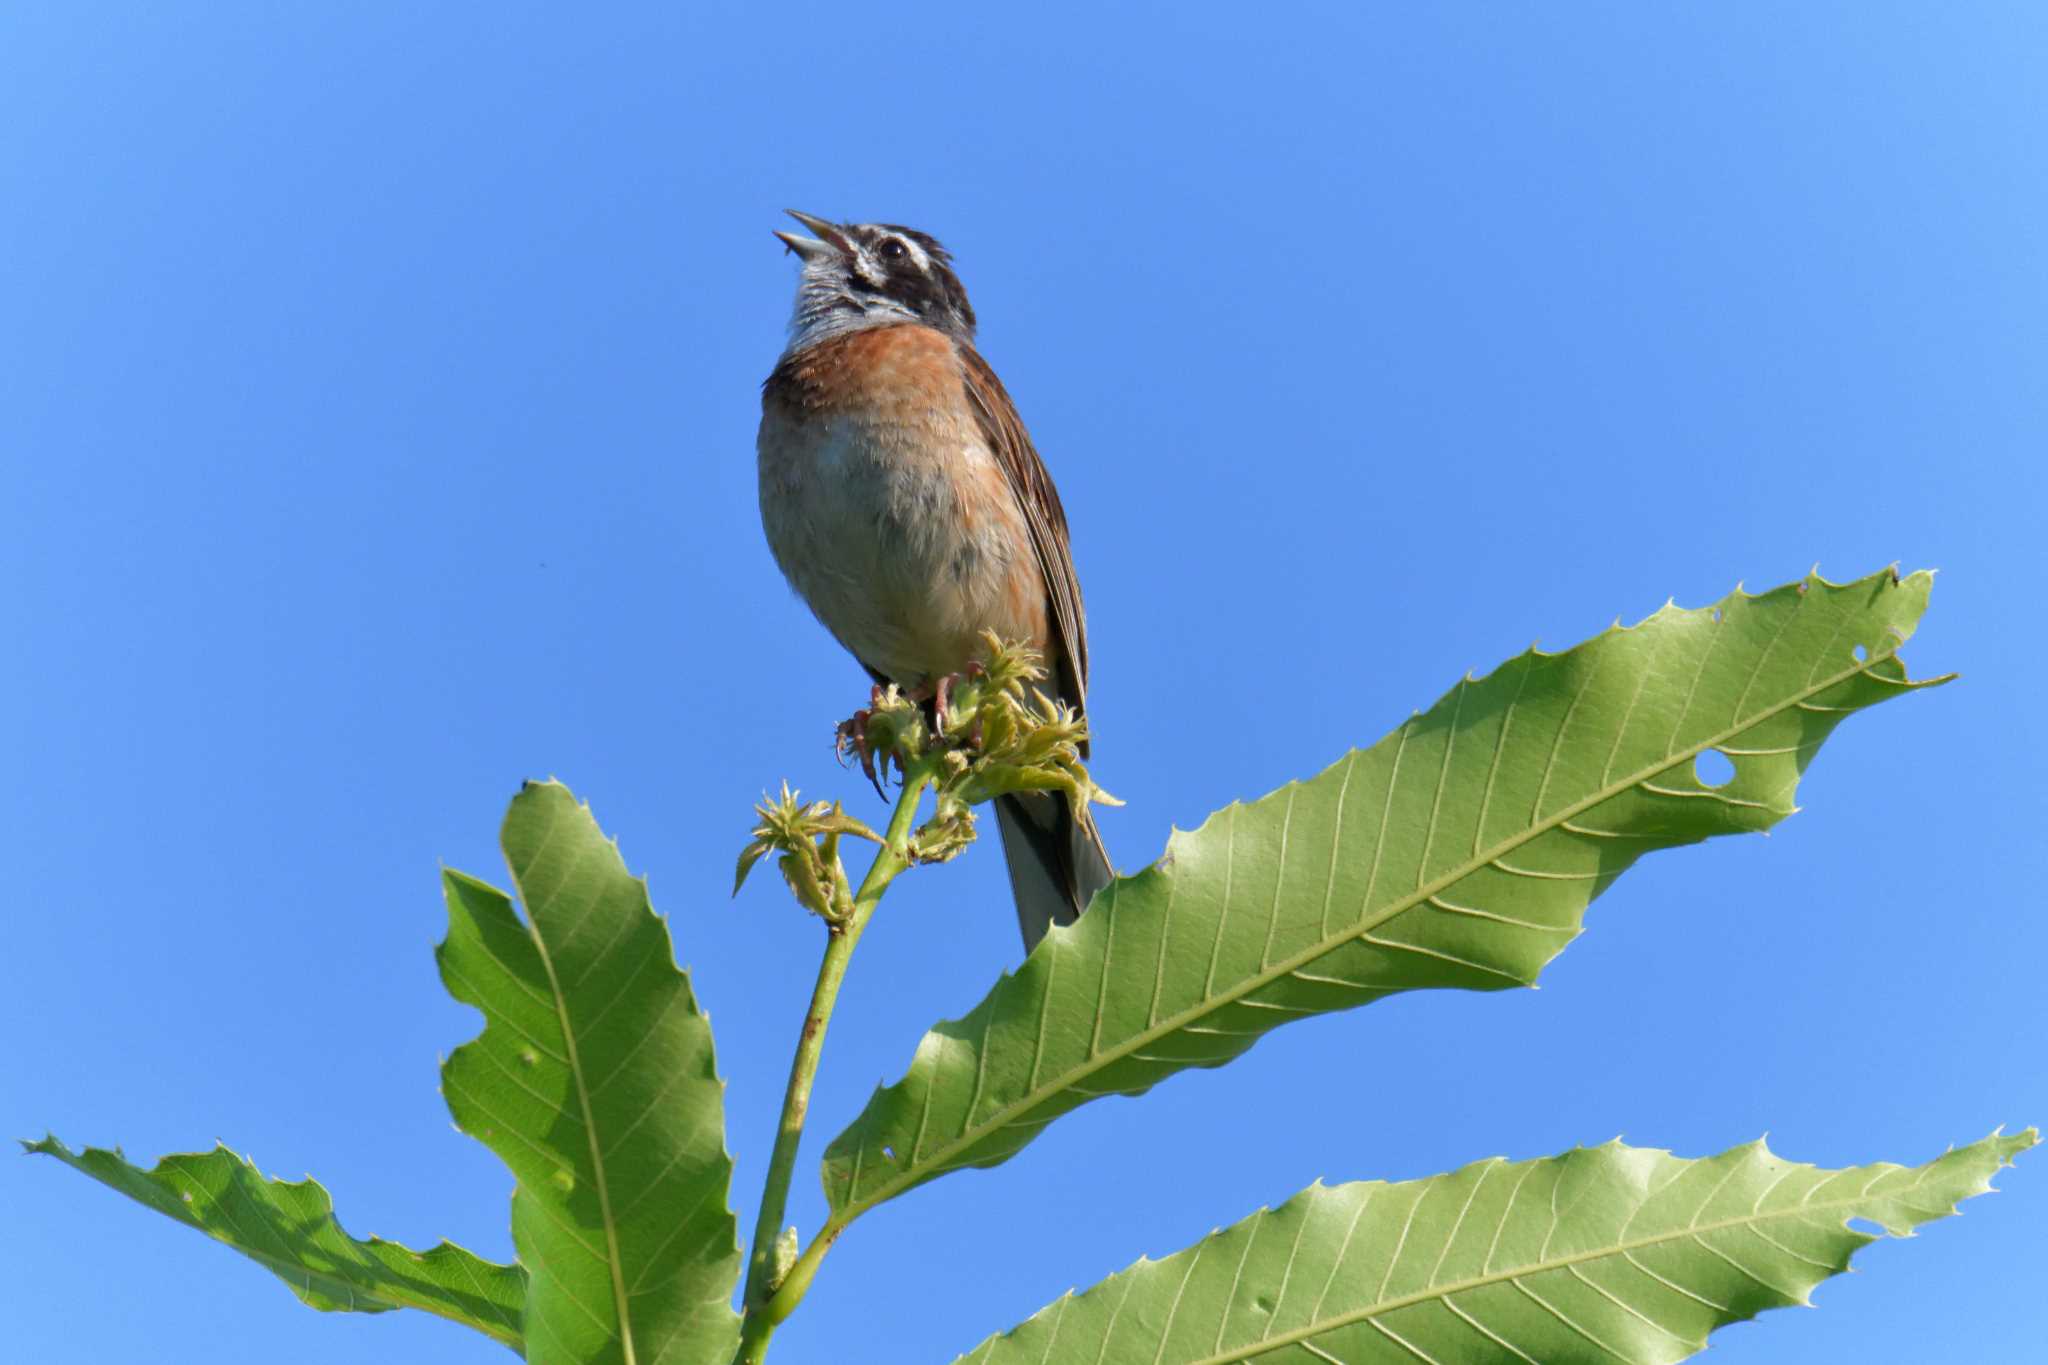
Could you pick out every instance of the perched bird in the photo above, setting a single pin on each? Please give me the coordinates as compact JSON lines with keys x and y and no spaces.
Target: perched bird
{"x":904,"y":502}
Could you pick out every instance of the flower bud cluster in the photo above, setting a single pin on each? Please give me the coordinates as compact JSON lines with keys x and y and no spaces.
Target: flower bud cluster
{"x":989,"y":732}
{"x":806,"y":838}
{"x":1002,"y":734}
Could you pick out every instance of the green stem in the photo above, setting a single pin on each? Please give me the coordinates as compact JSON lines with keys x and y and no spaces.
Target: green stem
{"x":767,"y":1304}
{"x":791,"y":1291}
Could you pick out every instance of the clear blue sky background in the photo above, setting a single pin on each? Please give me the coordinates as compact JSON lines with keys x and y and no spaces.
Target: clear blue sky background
{"x":377,"y":401}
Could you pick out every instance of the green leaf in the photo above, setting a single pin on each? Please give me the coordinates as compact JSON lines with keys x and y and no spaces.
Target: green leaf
{"x":594,"y":1081}
{"x":1602,"y":1255}
{"x":288,"y":1227}
{"x":1461,"y":850}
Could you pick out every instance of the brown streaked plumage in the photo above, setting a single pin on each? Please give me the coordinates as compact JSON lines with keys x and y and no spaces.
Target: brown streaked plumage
{"x":904,"y":501}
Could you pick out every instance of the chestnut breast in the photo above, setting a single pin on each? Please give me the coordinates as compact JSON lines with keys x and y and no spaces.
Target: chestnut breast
{"x":886,"y":509}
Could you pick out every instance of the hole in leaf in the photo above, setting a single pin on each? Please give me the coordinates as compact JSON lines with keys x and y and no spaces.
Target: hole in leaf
{"x":1859,"y":654}
{"x":1717,"y":616}
{"x":1867,"y":1227}
{"x":889,"y":1152}
{"x":1714,"y":768}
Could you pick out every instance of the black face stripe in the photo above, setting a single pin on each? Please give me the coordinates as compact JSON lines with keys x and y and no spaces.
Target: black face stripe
{"x":933,"y":293}
{"x":863,"y":271}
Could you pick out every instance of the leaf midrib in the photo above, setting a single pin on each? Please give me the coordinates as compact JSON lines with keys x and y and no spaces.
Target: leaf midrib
{"x":393,"y":1293}
{"x":295,"y":1272}
{"x":1001,"y":1117}
{"x":614,"y":1264}
{"x":1252,"y":1351}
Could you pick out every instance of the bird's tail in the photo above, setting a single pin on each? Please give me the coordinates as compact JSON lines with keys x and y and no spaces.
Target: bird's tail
{"x":1057,"y":860}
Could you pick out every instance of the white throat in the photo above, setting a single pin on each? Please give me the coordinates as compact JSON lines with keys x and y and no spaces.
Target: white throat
{"x":826,"y":308}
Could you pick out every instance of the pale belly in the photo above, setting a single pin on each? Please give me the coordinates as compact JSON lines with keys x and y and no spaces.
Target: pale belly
{"x":905,"y":541}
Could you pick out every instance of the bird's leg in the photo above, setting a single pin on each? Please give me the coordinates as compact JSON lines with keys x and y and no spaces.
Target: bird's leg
{"x":851,"y":739}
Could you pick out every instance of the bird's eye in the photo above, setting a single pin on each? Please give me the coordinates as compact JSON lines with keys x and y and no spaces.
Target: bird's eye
{"x":893,"y":250}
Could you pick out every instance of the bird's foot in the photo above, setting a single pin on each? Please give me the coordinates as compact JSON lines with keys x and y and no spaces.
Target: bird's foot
{"x":942,"y":698}
{"x":850,"y":741}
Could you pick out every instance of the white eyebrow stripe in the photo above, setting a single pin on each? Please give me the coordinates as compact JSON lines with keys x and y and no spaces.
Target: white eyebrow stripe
{"x":882,"y":234}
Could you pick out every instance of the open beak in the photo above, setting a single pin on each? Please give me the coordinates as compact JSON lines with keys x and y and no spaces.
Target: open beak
{"x":830,"y":242}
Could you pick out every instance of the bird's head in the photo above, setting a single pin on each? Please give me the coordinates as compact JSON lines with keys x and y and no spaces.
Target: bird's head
{"x":869,"y":275}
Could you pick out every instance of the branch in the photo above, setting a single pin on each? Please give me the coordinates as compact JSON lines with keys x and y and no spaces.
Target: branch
{"x":766,"y":1307}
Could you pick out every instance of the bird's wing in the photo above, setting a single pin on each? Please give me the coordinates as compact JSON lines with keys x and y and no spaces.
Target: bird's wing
{"x":1011,"y":443}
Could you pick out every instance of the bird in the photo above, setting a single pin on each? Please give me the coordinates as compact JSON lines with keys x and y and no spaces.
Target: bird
{"x":903,"y":500}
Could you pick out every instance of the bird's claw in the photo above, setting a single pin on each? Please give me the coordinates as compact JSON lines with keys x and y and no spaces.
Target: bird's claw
{"x":850,"y":740}
{"x":942,"y":697}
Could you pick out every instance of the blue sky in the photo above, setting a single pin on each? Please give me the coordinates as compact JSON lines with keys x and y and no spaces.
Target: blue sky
{"x":380,"y":386}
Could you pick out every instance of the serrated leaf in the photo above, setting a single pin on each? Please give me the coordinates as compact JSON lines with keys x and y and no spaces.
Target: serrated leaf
{"x":1462,"y":850}
{"x":1602,"y":1255}
{"x":288,"y":1227}
{"x":594,"y":1080}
